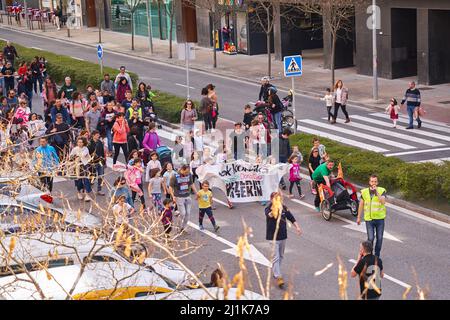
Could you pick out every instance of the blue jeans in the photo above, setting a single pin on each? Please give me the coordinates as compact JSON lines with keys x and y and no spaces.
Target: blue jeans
{"x":277,"y":117}
{"x":109,"y":138}
{"x":375,"y":226}
{"x":100,"y":173}
{"x":83,"y":184}
{"x":410,"y":110}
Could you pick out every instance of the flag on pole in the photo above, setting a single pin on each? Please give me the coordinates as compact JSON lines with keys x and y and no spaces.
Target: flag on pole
{"x":340,"y":172}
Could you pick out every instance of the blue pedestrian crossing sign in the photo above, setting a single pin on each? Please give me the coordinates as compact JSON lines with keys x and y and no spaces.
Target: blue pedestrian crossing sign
{"x":293,"y":66}
{"x":99,"y":51}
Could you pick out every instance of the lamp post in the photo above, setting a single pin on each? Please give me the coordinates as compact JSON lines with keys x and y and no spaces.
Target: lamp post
{"x":374,"y":50}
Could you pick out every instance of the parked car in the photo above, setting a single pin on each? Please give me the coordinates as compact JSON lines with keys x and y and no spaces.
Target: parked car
{"x":102,"y":280}
{"x":70,"y":248}
{"x":200,"y":294}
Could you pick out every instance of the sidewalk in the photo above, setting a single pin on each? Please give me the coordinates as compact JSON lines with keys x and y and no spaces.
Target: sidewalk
{"x":313,"y":82}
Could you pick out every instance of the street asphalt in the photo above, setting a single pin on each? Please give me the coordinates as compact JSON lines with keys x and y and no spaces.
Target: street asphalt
{"x":418,"y":255}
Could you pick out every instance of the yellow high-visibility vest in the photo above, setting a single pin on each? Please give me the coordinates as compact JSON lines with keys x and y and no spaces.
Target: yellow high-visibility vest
{"x":373,"y":208}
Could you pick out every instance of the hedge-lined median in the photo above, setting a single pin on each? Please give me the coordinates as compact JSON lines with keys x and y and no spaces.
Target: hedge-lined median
{"x":82,"y":73}
{"x":415,"y":181}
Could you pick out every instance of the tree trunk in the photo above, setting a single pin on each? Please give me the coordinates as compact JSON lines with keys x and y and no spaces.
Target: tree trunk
{"x":333,"y":53}
{"x":170,"y":35}
{"x":214,"y":44}
{"x":132,"y":30}
{"x":269,"y":57}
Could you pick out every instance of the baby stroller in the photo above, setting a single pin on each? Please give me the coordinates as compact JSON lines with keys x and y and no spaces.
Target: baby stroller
{"x":164,"y":155}
{"x":341,"y":196}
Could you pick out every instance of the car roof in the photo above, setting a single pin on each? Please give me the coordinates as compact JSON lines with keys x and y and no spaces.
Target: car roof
{"x":55,"y":282}
{"x":31,"y":246}
{"x":200,"y":294}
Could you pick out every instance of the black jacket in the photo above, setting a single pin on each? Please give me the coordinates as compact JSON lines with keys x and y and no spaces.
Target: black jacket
{"x":133,"y":144}
{"x":271,"y":223}
{"x":278,"y":104}
{"x":285,"y":149}
{"x":248,"y":117}
{"x":10,"y":53}
{"x":97,"y":151}
{"x":264,"y":92}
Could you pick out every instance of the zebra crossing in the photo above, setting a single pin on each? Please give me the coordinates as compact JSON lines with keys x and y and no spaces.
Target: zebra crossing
{"x":375,"y":132}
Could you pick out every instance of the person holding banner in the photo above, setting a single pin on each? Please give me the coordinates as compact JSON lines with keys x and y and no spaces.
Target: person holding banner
{"x":276,"y":232}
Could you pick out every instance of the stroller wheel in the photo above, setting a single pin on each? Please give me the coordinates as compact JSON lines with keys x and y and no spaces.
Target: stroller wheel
{"x":354,"y":208}
{"x":325,"y":209}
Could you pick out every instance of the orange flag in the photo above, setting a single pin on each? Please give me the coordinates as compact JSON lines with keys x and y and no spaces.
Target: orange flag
{"x":340,"y":172}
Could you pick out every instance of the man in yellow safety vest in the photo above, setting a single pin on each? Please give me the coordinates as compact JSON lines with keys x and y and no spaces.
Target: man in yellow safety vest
{"x":373,"y":203}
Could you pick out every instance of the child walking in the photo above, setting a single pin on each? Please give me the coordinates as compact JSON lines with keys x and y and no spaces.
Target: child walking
{"x":167,"y":216}
{"x":195,"y":163}
{"x":294,"y":176}
{"x":328,"y":98}
{"x":393,"y":109}
{"x":204,"y":197}
{"x":156,"y":187}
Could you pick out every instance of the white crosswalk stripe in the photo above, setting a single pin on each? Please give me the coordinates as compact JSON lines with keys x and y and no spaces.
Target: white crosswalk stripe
{"x":425,"y":122}
{"x":413,"y":132}
{"x":375,"y":132}
{"x":369,"y":137}
{"x":390,"y":133}
{"x":436,"y":161}
{"x":350,"y":142}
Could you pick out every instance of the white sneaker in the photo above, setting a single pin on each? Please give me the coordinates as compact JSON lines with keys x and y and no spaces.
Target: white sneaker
{"x":80,"y":196}
{"x":87,"y":197}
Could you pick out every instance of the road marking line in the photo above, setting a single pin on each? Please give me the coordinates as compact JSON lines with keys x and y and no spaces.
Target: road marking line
{"x":416,"y":151}
{"x":357,"y":134}
{"x":350,"y":142}
{"x":421,"y":131}
{"x":441,"y":126}
{"x":77,"y":58}
{"x":390,"y":133}
{"x":36,"y":48}
{"x":435,"y":161}
{"x":387,"y":277}
{"x":183,"y":85}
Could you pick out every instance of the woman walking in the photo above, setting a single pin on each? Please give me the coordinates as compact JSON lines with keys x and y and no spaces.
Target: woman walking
{"x":188,"y":116}
{"x":122,"y":87}
{"x":80,"y":154}
{"x":215,"y":107}
{"x":340,"y":100}
{"x":120,"y":131}
{"x":77,"y":110}
{"x":206,"y":108}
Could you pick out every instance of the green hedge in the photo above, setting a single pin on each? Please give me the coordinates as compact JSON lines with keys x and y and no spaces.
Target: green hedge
{"x":169,"y":106}
{"x":415,"y":181}
{"x":82,"y":73}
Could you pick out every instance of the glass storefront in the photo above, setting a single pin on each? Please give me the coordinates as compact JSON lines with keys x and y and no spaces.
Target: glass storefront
{"x":121,"y":19}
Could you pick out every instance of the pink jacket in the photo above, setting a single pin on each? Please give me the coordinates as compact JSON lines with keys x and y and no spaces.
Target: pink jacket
{"x":131,"y":176}
{"x":294,"y":172}
{"x":120,"y":130}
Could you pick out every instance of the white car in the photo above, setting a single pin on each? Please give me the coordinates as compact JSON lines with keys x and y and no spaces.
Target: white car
{"x":200,"y":294}
{"x":21,"y":198}
{"x":103,"y":280}
{"x":70,"y":248}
